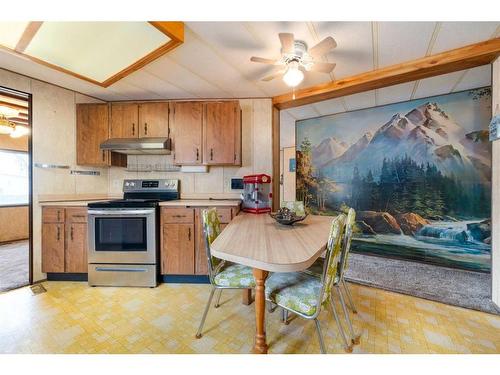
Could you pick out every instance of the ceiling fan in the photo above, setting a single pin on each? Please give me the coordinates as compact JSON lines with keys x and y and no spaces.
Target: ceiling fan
{"x":296,"y":58}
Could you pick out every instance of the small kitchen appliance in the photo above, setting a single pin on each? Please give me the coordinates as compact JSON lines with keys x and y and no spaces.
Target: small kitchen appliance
{"x":257,"y":193}
{"x":123,"y":234}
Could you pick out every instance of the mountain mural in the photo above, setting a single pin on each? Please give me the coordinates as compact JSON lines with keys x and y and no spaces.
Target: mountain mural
{"x":418,"y":174}
{"x":427,"y":134}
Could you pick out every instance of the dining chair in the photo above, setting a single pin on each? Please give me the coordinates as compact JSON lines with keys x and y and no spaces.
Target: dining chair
{"x":339,"y":282}
{"x":222,"y":274}
{"x":305,"y":295}
{"x":295,"y":206}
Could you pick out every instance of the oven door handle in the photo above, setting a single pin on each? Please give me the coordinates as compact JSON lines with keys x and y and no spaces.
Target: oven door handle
{"x":118,"y":269}
{"x":121,"y":212}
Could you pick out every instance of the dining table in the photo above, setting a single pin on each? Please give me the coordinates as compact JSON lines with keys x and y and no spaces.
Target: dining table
{"x":259,"y":242}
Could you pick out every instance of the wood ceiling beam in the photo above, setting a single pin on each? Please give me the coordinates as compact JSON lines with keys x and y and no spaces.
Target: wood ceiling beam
{"x":445,"y":62}
{"x":14,"y":106}
{"x":28,"y":35}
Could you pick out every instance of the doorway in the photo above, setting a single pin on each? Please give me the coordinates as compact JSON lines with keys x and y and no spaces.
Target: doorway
{"x":15,"y":190}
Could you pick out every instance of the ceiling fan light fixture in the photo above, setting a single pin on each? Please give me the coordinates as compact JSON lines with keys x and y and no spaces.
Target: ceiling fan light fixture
{"x":293,"y":76}
{"x":6,"y":126}
{"x":19,"y":131}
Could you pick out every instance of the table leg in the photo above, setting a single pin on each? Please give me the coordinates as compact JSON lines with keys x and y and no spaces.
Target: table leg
{"x":246,"y":296}
{"x":260,"y":346}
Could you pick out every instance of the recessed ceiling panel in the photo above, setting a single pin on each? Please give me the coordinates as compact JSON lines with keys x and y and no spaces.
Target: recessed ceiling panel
{"x":11,"y":33}
{"x":96,"y":50}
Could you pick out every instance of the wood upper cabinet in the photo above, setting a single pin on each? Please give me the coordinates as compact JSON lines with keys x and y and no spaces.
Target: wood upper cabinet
{"x":92,"y":128}
{"x":222,"y":133}
{"x":153,"y":120}
{"x":124,"y":120}
{"x":178,"y":249}
{"x":187,"y":122}
{"x":52,"y":247}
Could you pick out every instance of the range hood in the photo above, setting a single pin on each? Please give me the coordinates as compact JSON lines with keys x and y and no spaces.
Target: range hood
{"x":138,"y":146}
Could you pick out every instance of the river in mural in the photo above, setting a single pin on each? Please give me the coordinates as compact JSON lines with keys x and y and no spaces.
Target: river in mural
{"x":418,"y":174}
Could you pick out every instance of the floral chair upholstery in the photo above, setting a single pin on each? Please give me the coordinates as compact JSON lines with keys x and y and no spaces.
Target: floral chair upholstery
{"x":305,"y":294}
{"x":222,"y":273}
{"x":295,"y":206}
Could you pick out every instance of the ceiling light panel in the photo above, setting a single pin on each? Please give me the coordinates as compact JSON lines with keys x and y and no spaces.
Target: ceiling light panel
{"x":95,"y":50}
{"x":11,"y":32}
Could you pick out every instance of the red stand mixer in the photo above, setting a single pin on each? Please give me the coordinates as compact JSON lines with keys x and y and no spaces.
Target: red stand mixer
{"x":257,"y":193}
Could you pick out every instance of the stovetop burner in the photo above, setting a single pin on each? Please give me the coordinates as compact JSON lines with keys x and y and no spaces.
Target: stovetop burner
{"x":142,"y":193}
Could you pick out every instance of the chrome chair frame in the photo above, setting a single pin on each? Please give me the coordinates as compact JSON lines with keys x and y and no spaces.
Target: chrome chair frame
{"x":322,"y":298}
{"x":212,"y":272}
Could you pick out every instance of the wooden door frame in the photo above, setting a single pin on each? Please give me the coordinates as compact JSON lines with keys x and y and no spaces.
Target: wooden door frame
{"x":470,"y":56}
{"x":29,"y":98}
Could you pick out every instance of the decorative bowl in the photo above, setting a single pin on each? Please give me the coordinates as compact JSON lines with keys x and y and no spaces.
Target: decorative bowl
{"x":286,"y":217}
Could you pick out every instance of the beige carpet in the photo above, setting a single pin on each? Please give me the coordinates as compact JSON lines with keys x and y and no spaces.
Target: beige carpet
{"x":14,"y":270}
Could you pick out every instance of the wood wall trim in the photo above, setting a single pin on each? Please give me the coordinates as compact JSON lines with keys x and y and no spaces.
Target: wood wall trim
{"x":28,"y":35}
{"x":445,"y":62}
{"x":276,"y":158}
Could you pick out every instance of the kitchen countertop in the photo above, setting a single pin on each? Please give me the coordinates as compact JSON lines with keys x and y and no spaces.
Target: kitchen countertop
{"x":175,"y":203}
{"x":201,"y":203}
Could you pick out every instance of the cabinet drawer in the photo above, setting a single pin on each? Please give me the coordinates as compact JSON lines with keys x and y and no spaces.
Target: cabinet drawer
{"x":76,"y":215}
{"x":178,"y":215}
{"x":224,"y":215}
{"x":52,"y":215}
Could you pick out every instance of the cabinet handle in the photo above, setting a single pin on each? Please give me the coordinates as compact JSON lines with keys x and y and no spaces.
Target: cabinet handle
{"x":211,"y":154}
{"x":145,"y":128}
{"x":197,"y":153}
{"x":178,"y":215}
{"x":58,"y":216}
{"x":133,"y":128}
{"x":71,"y":233}
{"x":58,"y":233}
{"x":189,"y":234}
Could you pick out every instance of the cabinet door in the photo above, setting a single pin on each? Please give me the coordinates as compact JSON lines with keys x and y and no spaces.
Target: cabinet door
{"x":124,"y":120}
{"x":220,"y":133}
{"x":187,"y":123}
{"x":153,"y":120}
{"x":91,"y":129}
{"x":52,"y":247}
{"x":76,"y":248}
{"x":177,"y":256}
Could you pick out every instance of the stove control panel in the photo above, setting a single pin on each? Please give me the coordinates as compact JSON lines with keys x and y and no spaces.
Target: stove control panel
{"x":159,"y":185}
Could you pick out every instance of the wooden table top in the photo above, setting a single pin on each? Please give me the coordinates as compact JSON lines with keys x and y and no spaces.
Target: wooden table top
{"x":260,"y":242}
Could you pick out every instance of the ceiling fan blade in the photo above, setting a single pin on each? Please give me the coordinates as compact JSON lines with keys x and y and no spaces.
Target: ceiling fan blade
{"x":263,"y":60}
{"x":273,"y":76}
{"x":322,"y":67}
{"x":287,"y":42}
{"x":323,"y":47}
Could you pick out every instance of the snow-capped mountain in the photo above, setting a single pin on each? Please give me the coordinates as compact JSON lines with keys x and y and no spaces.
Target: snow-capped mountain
{"x":329,"y":148}
{"x":426,"y":134}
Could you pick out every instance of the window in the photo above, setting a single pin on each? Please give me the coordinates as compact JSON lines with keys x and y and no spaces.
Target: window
{"x":14,"y":184}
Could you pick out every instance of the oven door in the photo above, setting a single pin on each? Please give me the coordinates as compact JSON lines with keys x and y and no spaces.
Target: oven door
{"x":122,"y":235}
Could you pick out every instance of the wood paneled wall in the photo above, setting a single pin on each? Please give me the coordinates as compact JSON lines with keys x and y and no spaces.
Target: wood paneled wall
{"x":14,"y":223}
{"x":17,"y":144}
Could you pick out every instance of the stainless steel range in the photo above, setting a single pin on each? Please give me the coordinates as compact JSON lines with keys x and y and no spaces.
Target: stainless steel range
{"x":124,"y":234}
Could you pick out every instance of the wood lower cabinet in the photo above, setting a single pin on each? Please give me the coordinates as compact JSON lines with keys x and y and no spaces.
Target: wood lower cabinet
{"x":183,"y":250}
{"x":178,"y":245}
{"x":64,"y":240}
{"x":53,"y":247}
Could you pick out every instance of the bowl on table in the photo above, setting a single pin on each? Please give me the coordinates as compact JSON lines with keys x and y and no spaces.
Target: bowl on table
{"x":286,"y":217}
